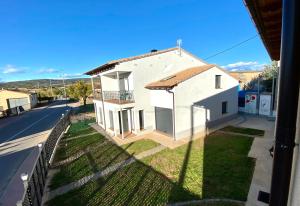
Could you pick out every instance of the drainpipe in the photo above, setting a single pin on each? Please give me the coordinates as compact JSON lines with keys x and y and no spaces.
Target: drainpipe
{"x":102,"y":99}
{"x":288,"y":93}
{"x":173,"y":112}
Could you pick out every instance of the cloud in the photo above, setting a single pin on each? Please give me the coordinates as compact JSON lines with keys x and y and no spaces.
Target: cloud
{"x":238,"y":66}
{"x":76,"y":75}
{"x":47,"y":71}
{"x":10,"y":69}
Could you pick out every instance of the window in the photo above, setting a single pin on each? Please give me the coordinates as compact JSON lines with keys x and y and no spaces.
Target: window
{"x":218,"y":81}
{"x":224,"y":107}
{"x":141,"y":119}
{"x":100,"y":115}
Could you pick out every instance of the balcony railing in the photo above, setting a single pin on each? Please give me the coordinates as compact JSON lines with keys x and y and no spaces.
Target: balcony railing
{"x":117,"y":97}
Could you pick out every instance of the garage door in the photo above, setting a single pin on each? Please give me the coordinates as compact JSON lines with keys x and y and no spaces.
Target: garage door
{"x":163,"y":120}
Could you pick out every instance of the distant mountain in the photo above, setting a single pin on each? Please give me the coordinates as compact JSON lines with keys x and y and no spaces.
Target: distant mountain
{"x":40,"y":83}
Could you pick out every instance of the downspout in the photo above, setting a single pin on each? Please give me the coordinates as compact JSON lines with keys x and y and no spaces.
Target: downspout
{"x":288,"y":93}
{"x":173,"y":112}
{"x":102,"y":100}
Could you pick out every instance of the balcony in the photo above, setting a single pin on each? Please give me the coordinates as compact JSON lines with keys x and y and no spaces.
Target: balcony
{"x":115,"y":97}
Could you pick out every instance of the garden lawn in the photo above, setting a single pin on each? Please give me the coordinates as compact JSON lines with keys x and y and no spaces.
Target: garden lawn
{"x":79,"y":128}
{"x":217,"y":167}
{"x":102,"y":155}
{"x":244,"y":130}
{"x":88,"y":108}
{"x":139,"y":146}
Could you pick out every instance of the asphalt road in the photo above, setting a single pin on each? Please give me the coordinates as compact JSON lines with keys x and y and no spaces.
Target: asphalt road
{"x":11,"y":128}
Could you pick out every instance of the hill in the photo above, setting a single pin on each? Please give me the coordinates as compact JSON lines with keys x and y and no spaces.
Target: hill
{"x":40,"y":83}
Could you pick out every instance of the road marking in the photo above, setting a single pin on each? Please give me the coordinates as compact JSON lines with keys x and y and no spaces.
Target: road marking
{"x":26,"y":128}
{"x":30,"y":125}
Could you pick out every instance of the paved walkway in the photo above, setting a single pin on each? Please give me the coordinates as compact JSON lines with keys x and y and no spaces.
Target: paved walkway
{"x":163,"y":139}
{"x":71,"y":186}
{"x":261,"y":180}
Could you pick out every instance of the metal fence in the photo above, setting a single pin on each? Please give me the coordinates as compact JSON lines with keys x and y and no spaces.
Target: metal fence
{"x":34,"y":183}
{"x":114,"y":95}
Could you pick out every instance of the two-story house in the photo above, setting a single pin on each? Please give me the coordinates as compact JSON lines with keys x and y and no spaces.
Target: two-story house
{"x":170,"y":91}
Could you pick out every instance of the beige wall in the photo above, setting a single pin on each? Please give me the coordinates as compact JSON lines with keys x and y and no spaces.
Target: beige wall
{"x":245,"y":77}
{"x":5,"y":94}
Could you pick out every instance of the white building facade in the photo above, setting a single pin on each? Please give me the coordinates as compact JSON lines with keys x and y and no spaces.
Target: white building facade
{"x":128,"y":97}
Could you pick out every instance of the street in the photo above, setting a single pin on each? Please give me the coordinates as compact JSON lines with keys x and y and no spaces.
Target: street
{"x":13,"y":129}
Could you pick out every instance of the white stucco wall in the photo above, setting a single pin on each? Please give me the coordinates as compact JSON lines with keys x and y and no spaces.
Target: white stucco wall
{"x":161,"y":98}
{"x":150,"y":69}
{"x":200,"y":91}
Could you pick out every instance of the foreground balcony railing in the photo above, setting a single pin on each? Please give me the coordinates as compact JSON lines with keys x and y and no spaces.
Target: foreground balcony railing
{"x":116,"y":97}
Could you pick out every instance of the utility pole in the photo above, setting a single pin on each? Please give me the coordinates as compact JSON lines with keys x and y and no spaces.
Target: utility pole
{"x":65,"y":94}
{"x":51,"y":88}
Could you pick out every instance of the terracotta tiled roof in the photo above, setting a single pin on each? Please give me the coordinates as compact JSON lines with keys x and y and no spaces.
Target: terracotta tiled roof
{"x":110,"y":64}
{"x":175,"y":79}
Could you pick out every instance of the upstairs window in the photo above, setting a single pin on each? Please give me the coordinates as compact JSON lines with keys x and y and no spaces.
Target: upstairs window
{"x":218,"y":81}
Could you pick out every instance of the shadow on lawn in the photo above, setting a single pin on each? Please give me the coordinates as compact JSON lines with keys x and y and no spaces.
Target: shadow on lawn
{"x":226,"y":173}
{"x":136,"y":184}
{"x":226,"y":170}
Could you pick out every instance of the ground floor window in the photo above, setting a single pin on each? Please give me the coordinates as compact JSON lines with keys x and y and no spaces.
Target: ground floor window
{"x":100,"y":115}
{"x":111,"y":120}
{"x":224,"y":107}
{"x":141,"y":119}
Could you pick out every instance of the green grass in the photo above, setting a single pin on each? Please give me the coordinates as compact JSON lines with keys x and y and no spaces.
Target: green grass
{"x":136,"y":184}
{"x":88,"y":108}
{"x":66,"y":149}
{"x":139,"y":146}
{"x":79,"y":128}
{"x":104,"y":155}
{"x":244,"y":130}
{"x":217,"y":167}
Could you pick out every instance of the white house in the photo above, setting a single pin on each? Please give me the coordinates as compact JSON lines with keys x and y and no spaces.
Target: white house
{"x":170,"y":91}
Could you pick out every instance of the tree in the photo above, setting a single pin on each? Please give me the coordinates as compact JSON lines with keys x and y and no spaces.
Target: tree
{"x":270,"y":71}
{"x":265,"y":78}
{"x":80,"y":90}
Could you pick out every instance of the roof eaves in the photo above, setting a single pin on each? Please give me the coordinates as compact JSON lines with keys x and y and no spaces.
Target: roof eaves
{"x":112,"y":63}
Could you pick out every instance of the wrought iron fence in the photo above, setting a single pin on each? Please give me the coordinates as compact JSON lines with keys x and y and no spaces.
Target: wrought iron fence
{"x":34,"y":183}
{"x":114,"y":95}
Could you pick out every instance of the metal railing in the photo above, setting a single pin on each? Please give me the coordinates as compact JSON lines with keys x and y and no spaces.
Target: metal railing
{"x":34,"y":183}
{"x":115,"y":95}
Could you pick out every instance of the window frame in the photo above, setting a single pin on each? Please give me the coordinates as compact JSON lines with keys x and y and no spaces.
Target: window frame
{"x":218,"y":80}
{"x":226,"y":107}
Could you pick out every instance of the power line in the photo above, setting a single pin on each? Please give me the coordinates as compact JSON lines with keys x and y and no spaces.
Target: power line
{"x":232,"y":47}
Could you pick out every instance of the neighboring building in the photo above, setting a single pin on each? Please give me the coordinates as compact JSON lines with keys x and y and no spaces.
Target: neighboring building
{"x":245,"y":76}
{"x":15,"y":101}
{"x":170,"y":91}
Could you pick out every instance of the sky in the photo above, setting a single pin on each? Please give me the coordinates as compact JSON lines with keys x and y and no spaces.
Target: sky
{"x":54,"y":38}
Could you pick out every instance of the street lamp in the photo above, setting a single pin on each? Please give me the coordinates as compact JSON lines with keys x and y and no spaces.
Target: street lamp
{"x":24,"y":178}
